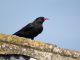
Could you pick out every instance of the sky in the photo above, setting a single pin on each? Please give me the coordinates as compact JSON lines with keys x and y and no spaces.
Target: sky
{"x":62,"y":28}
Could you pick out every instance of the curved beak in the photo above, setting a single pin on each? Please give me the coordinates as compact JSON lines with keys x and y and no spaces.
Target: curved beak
{"x":46,"y":19}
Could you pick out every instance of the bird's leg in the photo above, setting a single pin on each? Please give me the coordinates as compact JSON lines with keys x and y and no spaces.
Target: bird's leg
{"x":32,"y":38}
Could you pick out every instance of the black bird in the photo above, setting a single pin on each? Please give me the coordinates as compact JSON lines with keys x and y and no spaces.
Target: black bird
{"x":32,"y":29}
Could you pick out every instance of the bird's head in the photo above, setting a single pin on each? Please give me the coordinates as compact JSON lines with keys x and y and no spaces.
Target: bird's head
{"x":40,"y":19}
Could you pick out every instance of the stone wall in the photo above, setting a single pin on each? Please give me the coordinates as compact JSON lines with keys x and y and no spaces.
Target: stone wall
{"x":14,"y":45}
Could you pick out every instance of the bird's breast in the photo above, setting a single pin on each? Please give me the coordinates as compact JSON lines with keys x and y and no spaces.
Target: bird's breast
{"x":38,"y":29}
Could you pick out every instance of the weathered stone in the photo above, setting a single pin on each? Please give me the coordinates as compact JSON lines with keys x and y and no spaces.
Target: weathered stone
{"x":10,"y":45}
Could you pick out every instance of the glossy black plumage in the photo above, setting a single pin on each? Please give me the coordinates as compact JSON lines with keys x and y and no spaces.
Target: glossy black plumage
{"x":32,"y":29}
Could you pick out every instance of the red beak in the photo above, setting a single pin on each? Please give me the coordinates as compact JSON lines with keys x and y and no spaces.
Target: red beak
{"x":46,"y":19}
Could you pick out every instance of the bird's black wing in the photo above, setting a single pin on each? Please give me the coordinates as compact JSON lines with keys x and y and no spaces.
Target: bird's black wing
{"x":27,"y":28}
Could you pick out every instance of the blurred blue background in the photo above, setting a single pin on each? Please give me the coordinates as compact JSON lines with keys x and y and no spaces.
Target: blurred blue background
{"x":62,"y":28}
